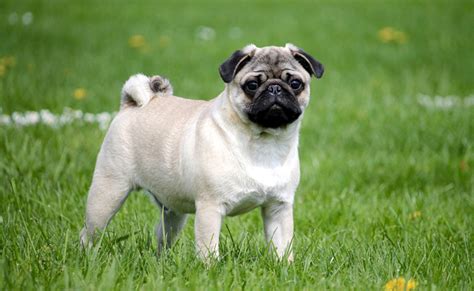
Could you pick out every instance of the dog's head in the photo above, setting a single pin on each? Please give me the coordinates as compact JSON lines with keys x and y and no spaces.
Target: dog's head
{"x":269,"y":86}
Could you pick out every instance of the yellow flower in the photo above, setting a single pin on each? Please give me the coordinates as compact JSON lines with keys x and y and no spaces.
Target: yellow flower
{"x":5,"y":63}
{"x":386,"y":34}
{"x":414,"y":215}
{"x":389,"y":34}
{"x":80,"y":93}
{"x":164,"y":41}
{"x":399,"y":284}
{"x":10,"y":61}
{"x":464,"y":166}
{"x":399,"y":37}
{"x":137,"y":41}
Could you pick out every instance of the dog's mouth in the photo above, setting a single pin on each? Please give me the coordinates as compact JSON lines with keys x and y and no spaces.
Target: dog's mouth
{"x":274,"y":108}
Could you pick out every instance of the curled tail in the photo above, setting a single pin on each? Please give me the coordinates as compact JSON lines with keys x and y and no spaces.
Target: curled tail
{"x":140,"y":89}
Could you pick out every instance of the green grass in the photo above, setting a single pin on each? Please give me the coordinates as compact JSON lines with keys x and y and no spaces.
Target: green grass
{"x":371,"y":155}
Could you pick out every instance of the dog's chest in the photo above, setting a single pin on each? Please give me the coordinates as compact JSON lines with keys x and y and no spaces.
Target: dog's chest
{"x":257,"y":184}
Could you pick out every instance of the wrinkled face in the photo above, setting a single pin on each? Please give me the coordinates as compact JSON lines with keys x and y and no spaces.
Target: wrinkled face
{"x":270,"y":86}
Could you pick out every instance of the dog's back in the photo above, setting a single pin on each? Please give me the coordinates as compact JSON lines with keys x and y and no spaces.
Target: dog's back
{"x":144,"y":134}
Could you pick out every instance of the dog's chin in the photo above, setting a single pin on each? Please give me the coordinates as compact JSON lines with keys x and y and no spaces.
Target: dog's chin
{"x":275,"y":116}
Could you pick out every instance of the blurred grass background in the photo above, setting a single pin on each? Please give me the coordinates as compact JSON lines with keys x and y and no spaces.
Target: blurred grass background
{"x":387,"y":184}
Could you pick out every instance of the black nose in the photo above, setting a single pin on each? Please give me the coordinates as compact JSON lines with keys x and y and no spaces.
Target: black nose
{"x":274,"y":89}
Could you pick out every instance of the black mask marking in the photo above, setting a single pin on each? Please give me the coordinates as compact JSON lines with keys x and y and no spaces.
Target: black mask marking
{"x":275,"y":106}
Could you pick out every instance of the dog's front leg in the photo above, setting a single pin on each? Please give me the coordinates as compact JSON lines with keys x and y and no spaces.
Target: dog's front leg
{"x":278,"y":223}
{"x":207,"y":227}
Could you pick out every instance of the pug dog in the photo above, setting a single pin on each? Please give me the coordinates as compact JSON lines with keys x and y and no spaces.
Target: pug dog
{"x":214,"y":158}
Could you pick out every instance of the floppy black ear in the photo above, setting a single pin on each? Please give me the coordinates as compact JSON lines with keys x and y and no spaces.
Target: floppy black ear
{"x":235,"y":63}
{"x":310,"y":64}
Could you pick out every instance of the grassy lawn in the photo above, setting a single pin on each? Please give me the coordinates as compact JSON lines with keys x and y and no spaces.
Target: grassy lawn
{"x":387,"y":167}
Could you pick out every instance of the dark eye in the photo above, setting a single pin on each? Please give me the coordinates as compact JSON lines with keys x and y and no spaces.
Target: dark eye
{"x":251,"y":86}
{"x":295,"y":84}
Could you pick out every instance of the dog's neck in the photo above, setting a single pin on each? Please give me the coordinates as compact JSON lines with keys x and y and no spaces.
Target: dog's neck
{"x":255,"y":139}
{"x":229,"y":117}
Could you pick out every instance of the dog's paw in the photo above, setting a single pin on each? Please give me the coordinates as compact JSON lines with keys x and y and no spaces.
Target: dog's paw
{"x":85,"y":239}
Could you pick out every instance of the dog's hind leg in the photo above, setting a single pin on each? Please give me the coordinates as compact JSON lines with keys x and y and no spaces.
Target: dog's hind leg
{"x":106,"y":195}
{"x":169,"y":227}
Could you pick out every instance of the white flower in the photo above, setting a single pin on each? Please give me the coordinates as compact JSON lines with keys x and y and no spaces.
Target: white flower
{"x":425,"y":100}
{"x":103,"y":119}
{"x":32,"y":117}
{"x":77,"y":114}
{"x":27,"y":18}
{"x":27,"y":118}
{"x":469,"y":101}
{"x":64,"y":119}
{"x":48,"y":118}
{"x":445,"y":102}
{"x":89,"y":117}
{"x":205,"y":33}
{"x":5,"y":119}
